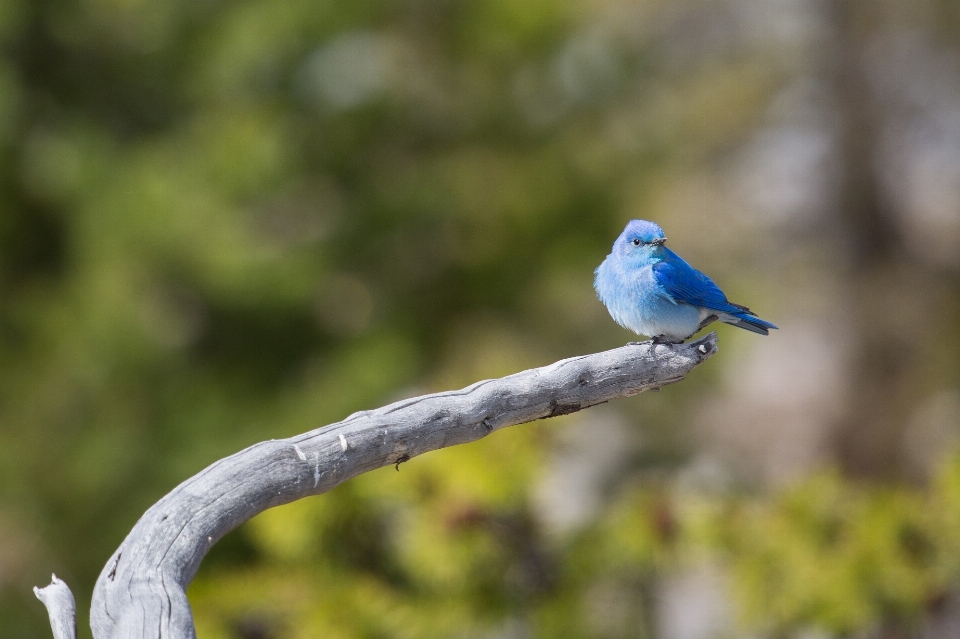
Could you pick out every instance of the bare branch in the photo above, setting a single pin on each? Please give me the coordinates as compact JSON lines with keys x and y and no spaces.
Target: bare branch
{"x":140,"y":592}
{"x":61,"y":607}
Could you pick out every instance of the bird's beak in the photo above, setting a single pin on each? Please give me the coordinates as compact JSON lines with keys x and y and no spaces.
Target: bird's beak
{"x":659,"y":242}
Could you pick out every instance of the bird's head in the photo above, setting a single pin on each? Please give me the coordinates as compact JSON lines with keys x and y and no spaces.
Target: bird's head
{"x":640,"y":239}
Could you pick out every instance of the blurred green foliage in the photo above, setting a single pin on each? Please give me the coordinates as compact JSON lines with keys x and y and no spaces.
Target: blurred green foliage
{"x":225,"y":221}
{"x":454,"y":552}
{"x":840,"y":558}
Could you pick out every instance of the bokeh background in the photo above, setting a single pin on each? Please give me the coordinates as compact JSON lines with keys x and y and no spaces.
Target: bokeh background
{"x":223,"y":221}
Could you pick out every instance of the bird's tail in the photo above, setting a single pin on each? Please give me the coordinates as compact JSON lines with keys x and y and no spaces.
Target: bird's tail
{"x":748,"y":321}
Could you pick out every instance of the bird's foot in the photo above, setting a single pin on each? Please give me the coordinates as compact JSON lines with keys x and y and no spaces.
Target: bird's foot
{"x":661,"y":339}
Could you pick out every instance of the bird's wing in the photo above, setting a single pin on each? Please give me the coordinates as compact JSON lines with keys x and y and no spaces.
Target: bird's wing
{"x":688,"y":285}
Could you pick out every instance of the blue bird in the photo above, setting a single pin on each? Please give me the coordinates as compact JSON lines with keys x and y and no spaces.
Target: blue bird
{"x":652,"y":291}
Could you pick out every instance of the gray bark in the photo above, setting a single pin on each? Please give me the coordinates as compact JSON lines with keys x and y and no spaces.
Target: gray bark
{"x":140,"y":592}
{"x":61,"y":607}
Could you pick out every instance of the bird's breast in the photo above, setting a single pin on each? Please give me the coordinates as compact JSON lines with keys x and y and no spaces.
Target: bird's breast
{"x":637,"y":302}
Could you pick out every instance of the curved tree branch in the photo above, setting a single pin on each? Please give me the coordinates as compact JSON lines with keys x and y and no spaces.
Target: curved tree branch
{"x":140,"y":592}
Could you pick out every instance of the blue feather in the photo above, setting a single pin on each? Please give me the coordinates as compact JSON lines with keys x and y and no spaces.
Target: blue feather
{"x":651,"y":290}
{"x":688,"y":285}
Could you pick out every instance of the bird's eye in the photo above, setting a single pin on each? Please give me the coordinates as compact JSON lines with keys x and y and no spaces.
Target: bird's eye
{"x":636,"y":241}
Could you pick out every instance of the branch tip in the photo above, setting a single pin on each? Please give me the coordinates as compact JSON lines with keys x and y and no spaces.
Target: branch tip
{"x":61,"y":607}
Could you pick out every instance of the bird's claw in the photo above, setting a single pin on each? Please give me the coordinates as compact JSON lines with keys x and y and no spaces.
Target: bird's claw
{"x":660,"y":339}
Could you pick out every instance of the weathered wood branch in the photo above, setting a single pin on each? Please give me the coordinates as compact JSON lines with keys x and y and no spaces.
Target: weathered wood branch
{"x":140,"y":592}
{"x":61,"y":607}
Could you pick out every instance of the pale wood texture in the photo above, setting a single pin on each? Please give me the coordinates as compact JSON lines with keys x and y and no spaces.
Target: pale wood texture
{"x":61,"y":607}
{"x":140,"y":592}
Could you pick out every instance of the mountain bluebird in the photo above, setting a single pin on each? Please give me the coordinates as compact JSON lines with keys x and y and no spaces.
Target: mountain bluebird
{"x":652,"y":291}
